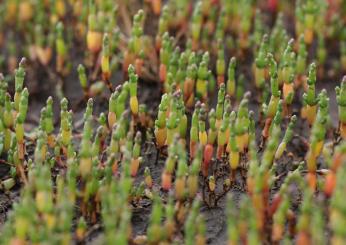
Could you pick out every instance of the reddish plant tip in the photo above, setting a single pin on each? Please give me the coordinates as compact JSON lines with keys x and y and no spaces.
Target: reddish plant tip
{"x":272,"y":5}
{"x":204,"y":109}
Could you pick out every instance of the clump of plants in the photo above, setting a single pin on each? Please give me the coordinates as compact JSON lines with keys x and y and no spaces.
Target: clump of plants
{"x":133,"y":122}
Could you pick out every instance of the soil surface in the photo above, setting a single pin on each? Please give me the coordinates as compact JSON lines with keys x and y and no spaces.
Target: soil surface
{"x":42,"y":81}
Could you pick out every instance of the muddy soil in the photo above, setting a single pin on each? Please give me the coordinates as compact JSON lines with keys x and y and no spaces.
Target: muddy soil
{"x":42,"y":83}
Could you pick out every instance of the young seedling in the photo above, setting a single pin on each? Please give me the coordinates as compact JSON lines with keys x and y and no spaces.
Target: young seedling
{"x":309,"y":108}
{"x":135,"y":42}
{"x":166,"y":178}
{"x":261,"y":63}
{"x":94,"y":35}
{"x":136,"y":159}
{"x":105,"y":62}
{"x":301,"y":62}
{"x":202,"y":78}
{"x":317,"y":137}
{"x":155,"y":230}
{"x":310,"y":12}
{"x":287,"y":65}
{"x":165,"y":53}
{"x":341,"y":100}
{"x":133,"y":79}
{"x":173,"y":121}
{"x":162,"y":27}
{"x":274,"y":99}
{"x":287,"y":137}
{"x":192,"y":179}
{"x":231,"y":77}
{"x":242,"y":123}
{"x":160,"y":122}
{"x":180,"y":181}
{"x":219,"y":106}
{"x":234,"y":154}
{"x":209,"y":148}
{"x":61,"y":48}
{"x":19,"y":82}
{"x":220,"y":63}
{"x":194,"y":131}
{"x":196,"y":25}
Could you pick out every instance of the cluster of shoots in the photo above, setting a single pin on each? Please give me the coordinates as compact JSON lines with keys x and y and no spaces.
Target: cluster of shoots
{"x":212,"y":103}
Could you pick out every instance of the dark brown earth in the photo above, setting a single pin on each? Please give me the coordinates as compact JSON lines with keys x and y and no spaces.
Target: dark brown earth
{"x":41,"y":82}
